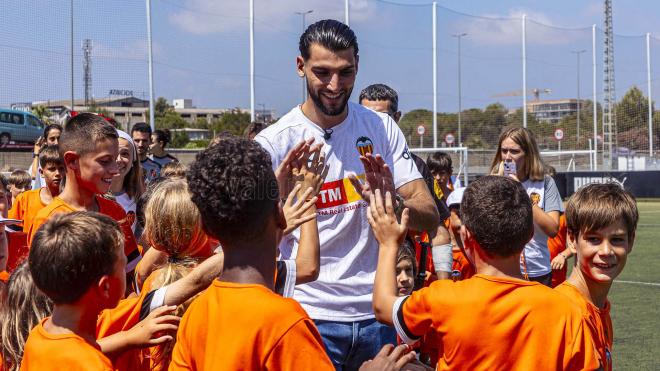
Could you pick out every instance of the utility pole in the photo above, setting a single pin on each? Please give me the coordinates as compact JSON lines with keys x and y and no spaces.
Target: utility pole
{"x":460,"y":108}
{"x":72,"y":94}
{"x":304,"y":79}
{"x":577,"y":53}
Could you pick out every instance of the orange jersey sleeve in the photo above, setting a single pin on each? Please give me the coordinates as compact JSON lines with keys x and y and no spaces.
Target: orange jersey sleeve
{"x":56,"y":206}
{"x":598,"y":321}
{"x":474,"y":317}
{"x":229,"y":318}
{"x":26,"y":207}
{"x":45,"y":351}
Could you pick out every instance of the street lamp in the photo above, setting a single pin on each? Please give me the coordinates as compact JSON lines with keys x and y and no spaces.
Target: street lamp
{"x":577,"y":53}
{"x":460,"y":134}
{"x":304,"y":79}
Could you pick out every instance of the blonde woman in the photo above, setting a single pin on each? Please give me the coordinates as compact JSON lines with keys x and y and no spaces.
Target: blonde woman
{"x":518,"y":158}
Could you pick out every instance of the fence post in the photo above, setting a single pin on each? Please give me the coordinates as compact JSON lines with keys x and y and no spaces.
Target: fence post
{"x":648,"y":83}
{"x":152,"y":120}
{"x":595,"y":98}
{"x":524,"y":68}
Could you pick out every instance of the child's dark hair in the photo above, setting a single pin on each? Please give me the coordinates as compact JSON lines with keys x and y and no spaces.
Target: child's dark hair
{"x":407,"y":252}
{"x":439,"y":162}
{"x":20,"y":179}
{"x":82,"y":132}
{"x":382,"y":92}
{"x":71,"y":251}
{"x":141,"y":127}
{"x":253,"y":129}
{"x":50,"y":127}
{"x":173,"y":169}
{"x":233,"y":185}
{"x":597,"y":206}
{"x":50,"y":154}
{"x":163,"y":135}
{"x":498,"y":212}
{"x":332,"y":35}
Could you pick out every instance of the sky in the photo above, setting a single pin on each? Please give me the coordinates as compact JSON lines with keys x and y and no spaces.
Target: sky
{"x":201,"y":49}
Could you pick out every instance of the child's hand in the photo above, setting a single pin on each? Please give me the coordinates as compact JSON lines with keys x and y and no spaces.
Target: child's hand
{"x":383,"y":220}
{"x":296,"y":213}
{"x":158,"y":328}
{"x":291,"y":160}
{"x":390,"y":359}
{"x":558,"y":262}
{"x":311,"y":174}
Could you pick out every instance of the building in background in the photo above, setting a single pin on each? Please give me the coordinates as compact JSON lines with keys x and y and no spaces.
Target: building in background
{"x":552,"y":111}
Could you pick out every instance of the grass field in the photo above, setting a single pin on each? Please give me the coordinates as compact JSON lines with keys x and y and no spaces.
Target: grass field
{"x":636,"y":306}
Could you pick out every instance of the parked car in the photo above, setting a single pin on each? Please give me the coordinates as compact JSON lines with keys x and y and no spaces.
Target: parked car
{"x":19,"y":126}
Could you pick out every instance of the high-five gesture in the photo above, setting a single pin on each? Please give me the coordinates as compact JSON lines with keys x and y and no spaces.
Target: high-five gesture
{"x":290,"y":161}
{"x":388,"y":231}
{"x":378,"y":175}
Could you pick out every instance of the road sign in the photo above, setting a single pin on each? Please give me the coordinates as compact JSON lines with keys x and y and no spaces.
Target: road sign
{"x":421,"y":130}
{"x":559,"y":134}
{"x":449,"y":138}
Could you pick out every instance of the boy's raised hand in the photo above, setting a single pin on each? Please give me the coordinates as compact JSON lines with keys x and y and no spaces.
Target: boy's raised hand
{"x":291,"y":160}
{"x":296,"y":208}
{"x":159,"y":327}
{"x":311,"y":170}
{"x":383,"y":221}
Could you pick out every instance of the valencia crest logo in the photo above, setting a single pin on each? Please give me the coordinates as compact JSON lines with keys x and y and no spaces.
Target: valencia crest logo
{"x":364,"y":145}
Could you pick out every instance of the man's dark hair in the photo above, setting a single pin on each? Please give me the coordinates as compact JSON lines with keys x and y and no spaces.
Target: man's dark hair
{"x":82,"y":132}
{"x":71,"y":251}
{"x":142,"y":127}
{"x":332,"y":35}
{"x":50,"y":127}
{"x":50,"y":154}
{"x":163,"y":135}
{"x":439,"y":162}
{"x":233,"y":185}
{"x":381,"y":92}
{"x":498,"y":212}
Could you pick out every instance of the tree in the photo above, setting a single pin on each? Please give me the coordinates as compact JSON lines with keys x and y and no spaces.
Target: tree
{"x":632,"y":119}
{"x":171,"y":120}
{"x":161,"y":107}
{"x":201,"y":123}
{"x":234,"y":122}
{"x":179,"y":139}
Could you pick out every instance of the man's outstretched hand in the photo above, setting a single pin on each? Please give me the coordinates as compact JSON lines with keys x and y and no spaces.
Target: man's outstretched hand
{"x":377,"y":175}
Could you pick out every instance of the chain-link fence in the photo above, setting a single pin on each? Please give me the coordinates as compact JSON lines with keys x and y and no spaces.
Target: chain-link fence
{"x":490,"y":70}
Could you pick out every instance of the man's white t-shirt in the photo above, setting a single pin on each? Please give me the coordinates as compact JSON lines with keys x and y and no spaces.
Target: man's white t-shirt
{"x":349,"y":250}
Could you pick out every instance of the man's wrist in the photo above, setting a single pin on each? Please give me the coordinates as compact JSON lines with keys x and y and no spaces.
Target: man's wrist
{"x":398,"y":204}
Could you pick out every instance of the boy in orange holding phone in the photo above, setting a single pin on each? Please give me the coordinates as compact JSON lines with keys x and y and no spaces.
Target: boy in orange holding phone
{"x":89,"y":148}
{"x":602,"y":220}
{"x":494,"y":320}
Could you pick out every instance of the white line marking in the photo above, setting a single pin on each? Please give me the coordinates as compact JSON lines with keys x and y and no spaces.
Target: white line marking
{"x":639,"y":283}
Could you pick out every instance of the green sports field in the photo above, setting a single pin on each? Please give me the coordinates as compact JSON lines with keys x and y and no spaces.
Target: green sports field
{"x":636,"y":298}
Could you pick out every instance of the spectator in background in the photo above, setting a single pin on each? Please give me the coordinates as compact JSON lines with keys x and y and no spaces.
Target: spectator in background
{"x":159,"y":140}
{"x":4,"y":194}
{"x":441,"y":167}
{"x":382,"y":98}
{"x":141,"y":134}
{"x":173,"y":170}
{"x":128,"y":185}
{"x":19,"y":182}
{"x":517,"y":147}
{"x":51,"y":136}
{"x":253,"y":129}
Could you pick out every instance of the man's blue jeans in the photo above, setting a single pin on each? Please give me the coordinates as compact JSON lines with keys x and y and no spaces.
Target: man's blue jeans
{"x":349,"y":344}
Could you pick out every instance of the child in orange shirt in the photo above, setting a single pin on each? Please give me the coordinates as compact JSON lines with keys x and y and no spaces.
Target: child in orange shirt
{"x":559,"y":253}
{"x":602,"y":220}
{"x":494,"y":320}
{"x":28,"y":204}
{"x":4,"y":244}
{"x":19,"y":182}
{"x":89,"y":245}
{"x":239,"y":322}
{"x":89,"y":148}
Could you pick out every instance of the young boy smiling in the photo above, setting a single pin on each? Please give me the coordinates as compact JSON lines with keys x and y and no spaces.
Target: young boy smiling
{"x":89,"y":148}
{"x":601,"y":220}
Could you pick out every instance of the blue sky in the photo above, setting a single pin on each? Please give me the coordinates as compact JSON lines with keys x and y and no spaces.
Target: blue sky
{"x":201,"y":48}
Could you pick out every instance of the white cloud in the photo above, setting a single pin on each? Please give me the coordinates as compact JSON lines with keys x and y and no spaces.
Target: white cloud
{"x":135,"y":49}
{"x":493,"y":29}
{"x":213,"y":16}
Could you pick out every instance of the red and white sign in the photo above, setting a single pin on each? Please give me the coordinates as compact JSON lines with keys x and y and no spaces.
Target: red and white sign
{"x":559,"y":134}
{"x":449,"y":138}
{"x":421,"y":130}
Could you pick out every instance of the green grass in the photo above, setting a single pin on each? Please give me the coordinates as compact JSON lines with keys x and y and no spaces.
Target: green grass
{"x":636,"y":308}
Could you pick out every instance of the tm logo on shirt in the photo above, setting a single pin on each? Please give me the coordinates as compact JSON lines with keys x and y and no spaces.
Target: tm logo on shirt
{"x":337,"y":193}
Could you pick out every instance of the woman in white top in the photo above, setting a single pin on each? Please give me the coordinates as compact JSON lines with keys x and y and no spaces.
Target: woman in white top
{"x":128,"y":185}
{"x":518,"y":157}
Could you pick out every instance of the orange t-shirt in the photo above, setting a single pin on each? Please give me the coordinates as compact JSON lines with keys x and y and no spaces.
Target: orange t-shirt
{"x":26,"y":207}
{"x":497,"y":323}
{"x":107,"y":207}
{"x":45,"y":351}
{"x":598,"y":321}
{"x":234,"y":326}
{"x":556,"y":245}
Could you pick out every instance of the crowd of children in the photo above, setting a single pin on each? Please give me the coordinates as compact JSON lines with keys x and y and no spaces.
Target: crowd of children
{"x":131,"y":262}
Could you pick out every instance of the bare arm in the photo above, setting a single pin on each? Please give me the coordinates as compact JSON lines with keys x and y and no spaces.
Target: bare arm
{"x":424,"y":214}
{"x":151,"y":260}
{"x":390,"y":235}
{"x":196,"y":281}
{"x":548,"y":222}
{"x":308,"y":259}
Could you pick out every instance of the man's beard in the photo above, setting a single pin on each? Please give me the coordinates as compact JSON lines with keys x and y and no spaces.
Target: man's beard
{"x":326,"y":110}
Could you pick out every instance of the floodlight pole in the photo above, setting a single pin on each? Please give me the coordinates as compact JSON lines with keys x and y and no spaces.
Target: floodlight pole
{"x":252,"y":113}
{"x":524,"y":68}
{"x":304,"y":79}
{"x":435,"y":75}
{"x":648,"y":83}
{"x":152,"y":120}
{"x":347,"y":18}
{"x":595,"y":97}
{"x":577,"y":53}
